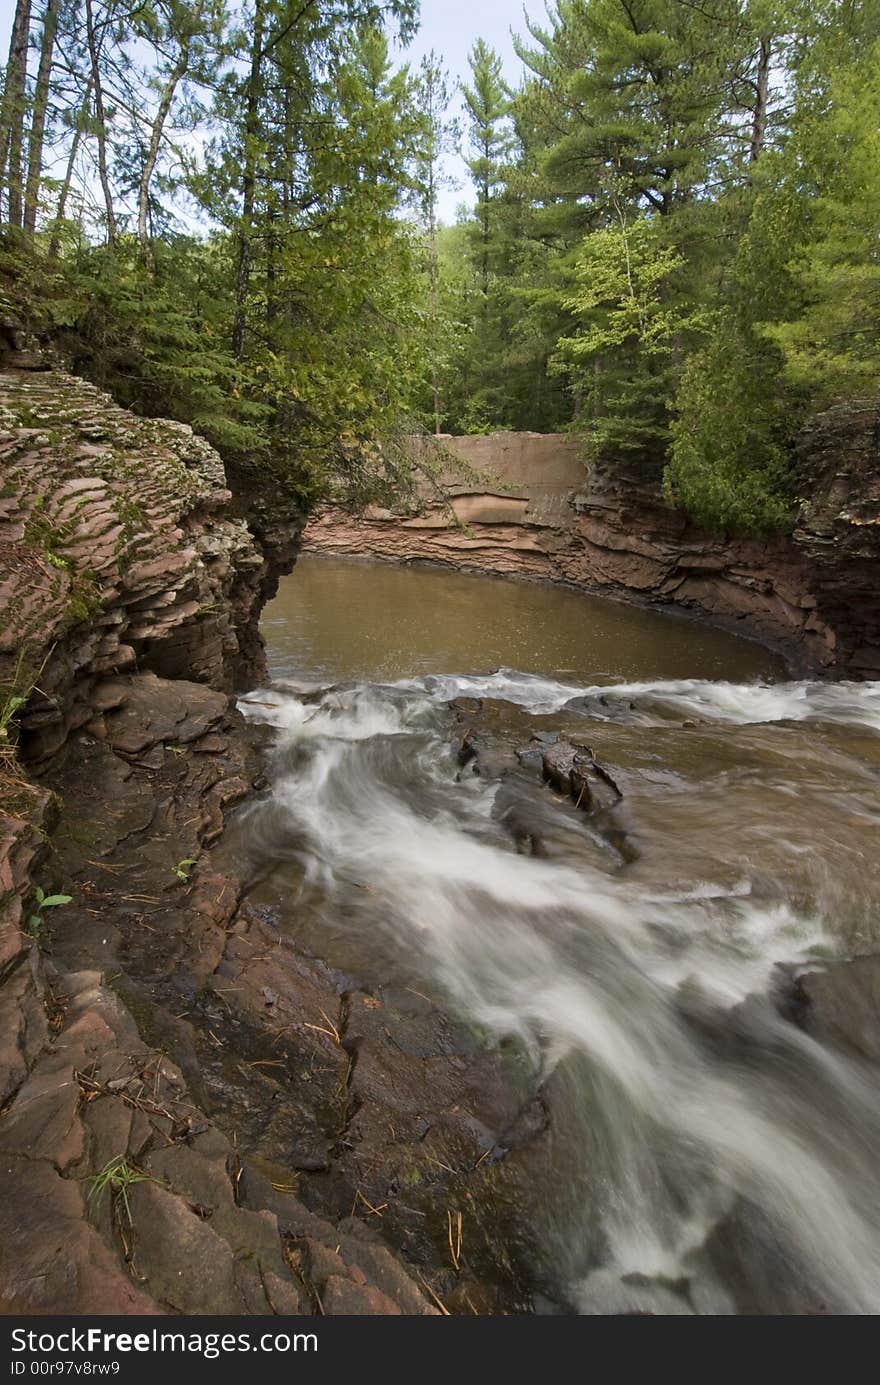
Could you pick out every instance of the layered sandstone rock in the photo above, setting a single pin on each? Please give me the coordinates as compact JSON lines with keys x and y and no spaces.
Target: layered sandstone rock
{"x":130,"y":596}
{"x":116,"y":550}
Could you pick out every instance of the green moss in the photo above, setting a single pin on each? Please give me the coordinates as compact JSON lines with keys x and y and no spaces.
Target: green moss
{"x":49,"y":538}
{"x":132,"y":515}
{"x":84,"y":600}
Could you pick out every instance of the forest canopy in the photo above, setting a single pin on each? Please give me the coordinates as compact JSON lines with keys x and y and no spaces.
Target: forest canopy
{"x":228,"y":213}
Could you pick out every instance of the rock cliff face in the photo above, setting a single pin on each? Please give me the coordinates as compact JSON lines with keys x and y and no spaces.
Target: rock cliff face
{"x":813,"y":595}
{"x":117,"y":552}
{"x":152,"y":1029}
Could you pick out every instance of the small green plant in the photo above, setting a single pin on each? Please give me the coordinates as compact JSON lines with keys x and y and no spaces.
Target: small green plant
{"x":36,"y":922}
{"x":180,"y":870}
{"x":8,"y":709}
{"x":118,"y":1175}
{"x":176,"y":749}
{"x":14,"y":696}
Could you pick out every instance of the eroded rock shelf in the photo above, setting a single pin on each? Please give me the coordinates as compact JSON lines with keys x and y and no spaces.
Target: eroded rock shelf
{"x":139,"y":1023}
{"x":532,"y":511}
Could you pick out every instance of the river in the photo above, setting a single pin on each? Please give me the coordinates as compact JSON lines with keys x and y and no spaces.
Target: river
{"x":711,"y":1150}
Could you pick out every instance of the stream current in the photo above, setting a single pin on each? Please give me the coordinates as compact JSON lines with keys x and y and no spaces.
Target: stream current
{"x":712,"y":1154}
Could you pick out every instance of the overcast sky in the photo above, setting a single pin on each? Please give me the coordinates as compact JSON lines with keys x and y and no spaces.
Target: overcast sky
{"x":450,"y":28}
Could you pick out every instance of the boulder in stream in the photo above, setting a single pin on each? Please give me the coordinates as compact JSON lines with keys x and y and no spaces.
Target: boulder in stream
{"x":573,"y":769}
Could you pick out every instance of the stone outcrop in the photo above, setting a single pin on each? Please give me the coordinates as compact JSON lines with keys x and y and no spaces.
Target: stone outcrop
{"x":813,"y":595}
{"x":165,"y":1070}
{"x":117,"y":551}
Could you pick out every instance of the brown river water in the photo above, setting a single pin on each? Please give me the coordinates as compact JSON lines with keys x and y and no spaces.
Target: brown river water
{"x":713,"y":1155}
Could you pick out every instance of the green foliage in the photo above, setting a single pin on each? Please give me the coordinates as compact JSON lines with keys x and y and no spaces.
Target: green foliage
{"x":695,"y":198}
{"x":728,"y":463}
{"x":181,"y":868}
{"x":13,"y":696}
{"x":633,"y":324}
{"x":828,"y":175}
{"x":488,"y":105}
{"x":673,"y":248}
{"x":291,"y":334}
{"x":118,"y":1176}
{"x":36,"y":922}
{"x":159,"y":342}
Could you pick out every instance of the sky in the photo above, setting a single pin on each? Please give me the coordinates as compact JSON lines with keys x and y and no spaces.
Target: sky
{"x":450,"y":28}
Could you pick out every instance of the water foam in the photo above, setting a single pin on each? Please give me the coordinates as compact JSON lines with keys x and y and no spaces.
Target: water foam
{"x":844,"y":703}
{"x":616,"y":985}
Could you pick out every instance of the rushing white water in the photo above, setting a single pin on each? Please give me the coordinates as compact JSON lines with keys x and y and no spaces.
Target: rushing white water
{"x":739,"y":703}
{"x":695,"y":1116}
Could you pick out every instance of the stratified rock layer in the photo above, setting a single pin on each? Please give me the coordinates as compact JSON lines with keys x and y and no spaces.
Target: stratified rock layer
{"x":814,"y":595}
{"x":115,"y":550}
{"x":130,"y":602}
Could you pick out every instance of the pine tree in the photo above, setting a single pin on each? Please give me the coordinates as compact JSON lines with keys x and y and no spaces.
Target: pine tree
{"x":488,"y":105}
{"x":437,"y":136}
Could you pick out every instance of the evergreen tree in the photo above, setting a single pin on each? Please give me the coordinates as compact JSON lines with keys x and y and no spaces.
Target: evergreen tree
{"x":488,"y":104}
{"x":673,"y":245}
{"x":797,"y":319}
{"x":437,"y":136}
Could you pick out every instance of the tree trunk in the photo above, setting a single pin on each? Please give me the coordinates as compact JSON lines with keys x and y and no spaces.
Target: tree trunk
{"x":759,"y":118}
{"x":176,"y":74}
{"x":101,"y":124}
{"x":249,"y":178}
{"x":68,"y":172}
{"x":38,"y":120}
{"x":13,"y":110}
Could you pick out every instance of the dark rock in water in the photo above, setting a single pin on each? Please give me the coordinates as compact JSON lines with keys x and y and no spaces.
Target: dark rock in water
{"x":761,"y":1271}
{"x":531,"y":757}
{"x":558,"y":764}
{"x":573,"y":769}
{"x":519,"y":809}
{"x":467,"y":706}
{"x":489,"y":758}
{"x":841,"y":1005}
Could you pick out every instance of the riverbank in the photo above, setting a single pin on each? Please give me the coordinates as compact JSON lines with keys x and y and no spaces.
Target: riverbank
{"x":162,"y":1053}
{"x":251,"y":1060}
{"x":533,"y":513}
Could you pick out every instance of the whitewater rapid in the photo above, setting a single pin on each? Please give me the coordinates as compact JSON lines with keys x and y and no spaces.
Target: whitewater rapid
{"x":696,"y":1112}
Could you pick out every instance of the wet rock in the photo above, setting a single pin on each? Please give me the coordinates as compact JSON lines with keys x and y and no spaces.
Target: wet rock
{"x":364,"y":1250}
{"x":43,"y":1121}
{"x":531,"y":757}
{"x":147,"y":768}
{"x":840,"y":1004}
{"x":117,"y":549}
{"x":342,"y":1296}
{"x":154,"y":710}
{"x":762,"y":1273}
{"x":486,"y":756}
{"x":573,"y":769}
{"x":488,"y":735}
{"x":186,"y":1265}
{"x":51,"y":1260}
